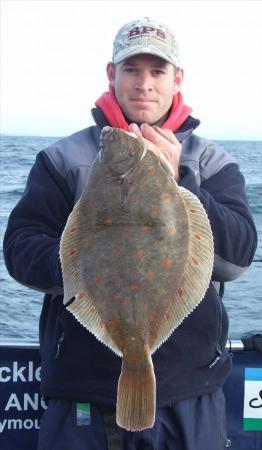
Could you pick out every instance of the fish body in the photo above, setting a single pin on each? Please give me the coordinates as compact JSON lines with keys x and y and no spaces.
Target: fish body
{"x":137,"y":257}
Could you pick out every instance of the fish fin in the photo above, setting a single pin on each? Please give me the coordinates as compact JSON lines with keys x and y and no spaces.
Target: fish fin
{"x":136,"y":397}
{"x":82,"y":306}
{"x":69,"y":255}
{"x":198,"y":270}
{"x":84,"y":311}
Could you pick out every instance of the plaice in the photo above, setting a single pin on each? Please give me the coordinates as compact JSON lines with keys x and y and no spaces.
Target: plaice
{"x":137,"y":257}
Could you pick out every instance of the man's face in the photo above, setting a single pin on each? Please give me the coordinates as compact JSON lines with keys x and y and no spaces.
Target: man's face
{"x":144,"y":87}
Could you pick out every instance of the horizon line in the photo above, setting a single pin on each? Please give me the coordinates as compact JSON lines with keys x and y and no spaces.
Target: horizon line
{"x":207,"y":136}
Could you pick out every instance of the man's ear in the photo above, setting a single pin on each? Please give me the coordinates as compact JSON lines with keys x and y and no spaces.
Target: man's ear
{"x":179,"y":76}
{"x":111,"y":71}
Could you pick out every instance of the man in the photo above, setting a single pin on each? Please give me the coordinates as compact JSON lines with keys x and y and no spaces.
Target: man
{"x":79,"y":374}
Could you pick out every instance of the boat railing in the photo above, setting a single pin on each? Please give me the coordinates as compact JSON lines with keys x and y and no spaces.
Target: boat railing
{"x":232,"y":344}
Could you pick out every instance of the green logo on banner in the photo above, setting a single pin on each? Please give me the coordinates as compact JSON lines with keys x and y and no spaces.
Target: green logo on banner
{"x":83,"y":414}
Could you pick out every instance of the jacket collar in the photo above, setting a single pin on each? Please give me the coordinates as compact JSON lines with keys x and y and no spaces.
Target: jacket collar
{"x":184,"y":131}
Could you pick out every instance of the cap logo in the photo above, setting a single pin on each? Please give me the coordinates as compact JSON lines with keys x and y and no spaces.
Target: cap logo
{"x":138,"y":31}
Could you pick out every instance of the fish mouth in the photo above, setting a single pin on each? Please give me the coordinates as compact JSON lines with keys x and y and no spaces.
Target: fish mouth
{"x":108,"y":134}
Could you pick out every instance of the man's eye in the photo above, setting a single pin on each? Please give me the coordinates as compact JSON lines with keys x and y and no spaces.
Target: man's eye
{"x":130,"y":69}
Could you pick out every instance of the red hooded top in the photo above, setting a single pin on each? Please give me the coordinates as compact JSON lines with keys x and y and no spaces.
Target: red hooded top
{"x":111,"y":109}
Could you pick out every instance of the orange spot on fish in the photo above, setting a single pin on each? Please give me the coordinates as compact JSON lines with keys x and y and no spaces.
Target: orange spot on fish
{"x":81,"y":295}
{"x":156,"y":208}
{"x":194,"y":260}
{"x":152,"y":314}
{"x":126,"y":301}
{"x":98,"y":277}
{"x":109,"y":221}
{"x":72,"y":252}
{"x":171,"y":230}
{"x":135,"y":200}
{"x":192,"y":210}
{"x":140,"y":254}
{"x":150,"y":169}
{"x":117,"y":296}
{"x":115,"y":280}
{"x":166,"y":197}
{"x":72,"y":230}
{"x":113,"y":323}
{"x":168,"y":262}
{"x":150,"y":276}
{"x":87,"y":242}
{"x":198,"y":237}
{"x":133,"y":287}
{"x":146,"y":229}
{"x":180,"y":292}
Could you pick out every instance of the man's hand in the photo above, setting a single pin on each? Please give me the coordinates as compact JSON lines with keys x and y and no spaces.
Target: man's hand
{"x":160,"y":141}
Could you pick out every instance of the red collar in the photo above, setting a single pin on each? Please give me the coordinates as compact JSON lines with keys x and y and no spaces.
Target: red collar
{"x":108,"y":104}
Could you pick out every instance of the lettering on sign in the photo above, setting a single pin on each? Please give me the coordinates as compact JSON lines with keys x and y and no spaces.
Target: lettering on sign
{"x":253,"y":400}
{"x":19,"y":424}
{"x":256,"y":402}
{"x":21,"y":404}
{"x":18,"y":373}
{"x":33,"y":401}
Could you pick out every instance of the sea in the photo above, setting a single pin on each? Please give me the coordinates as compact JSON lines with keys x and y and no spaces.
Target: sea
{"x":20,"y":307}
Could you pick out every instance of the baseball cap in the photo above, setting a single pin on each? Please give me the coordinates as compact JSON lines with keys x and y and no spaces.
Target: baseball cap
{"x":146,"y":36}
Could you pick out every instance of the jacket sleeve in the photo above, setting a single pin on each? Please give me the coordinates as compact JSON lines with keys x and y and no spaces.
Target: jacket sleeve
{"x":31,"y":242}
{"x":224,"y":199}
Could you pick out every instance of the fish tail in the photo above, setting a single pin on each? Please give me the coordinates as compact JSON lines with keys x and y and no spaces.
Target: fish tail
{"x":136,"y":400}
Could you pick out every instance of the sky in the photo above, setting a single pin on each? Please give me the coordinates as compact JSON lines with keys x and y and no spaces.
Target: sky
{"x":54,"y":54}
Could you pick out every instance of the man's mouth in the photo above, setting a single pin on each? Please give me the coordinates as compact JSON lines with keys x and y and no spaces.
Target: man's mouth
{"x":143,"y":100}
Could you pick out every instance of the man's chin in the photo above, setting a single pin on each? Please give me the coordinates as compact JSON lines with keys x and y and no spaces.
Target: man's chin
{"x":151,"y":122}
{"x":143,"y":119}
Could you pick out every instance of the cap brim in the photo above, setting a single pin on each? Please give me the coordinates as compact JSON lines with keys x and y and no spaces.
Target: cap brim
{"x":150,"y":50}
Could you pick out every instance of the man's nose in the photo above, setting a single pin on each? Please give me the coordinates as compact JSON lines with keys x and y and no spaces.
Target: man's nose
{"x":144,"y":82}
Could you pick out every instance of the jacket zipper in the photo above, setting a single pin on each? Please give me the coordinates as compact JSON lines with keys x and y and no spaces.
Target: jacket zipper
{"x":62,"y":335}
{"x":217,"y":346}
{"x":59,"y":345}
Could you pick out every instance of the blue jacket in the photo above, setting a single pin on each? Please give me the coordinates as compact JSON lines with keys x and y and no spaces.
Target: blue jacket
{"x":75,"y":365}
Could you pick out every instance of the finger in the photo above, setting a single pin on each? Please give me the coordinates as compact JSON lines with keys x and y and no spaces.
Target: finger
{"x":134,"y":128}
{"x":152,"y":135}
{"x":168,"y":134}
